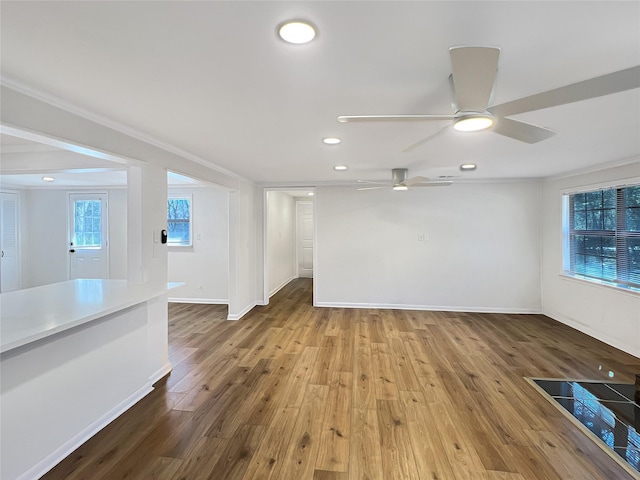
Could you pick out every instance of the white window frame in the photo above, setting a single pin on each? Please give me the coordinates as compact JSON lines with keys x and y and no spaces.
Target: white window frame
{"x":566,"y":237}
{"x":177,"y":246}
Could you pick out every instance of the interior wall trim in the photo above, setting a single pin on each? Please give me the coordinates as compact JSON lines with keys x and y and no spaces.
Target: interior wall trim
{"x":205,"y":301}
{"x":281,"y":286}
{"x":109,"y":123}
{"x":243,"y":312}
{"x":597,"y":334}
{"x":437,"y":308}
{"x":160,"y":373}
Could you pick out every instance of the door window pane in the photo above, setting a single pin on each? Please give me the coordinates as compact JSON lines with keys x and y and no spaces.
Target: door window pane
{"x":87,"y":223}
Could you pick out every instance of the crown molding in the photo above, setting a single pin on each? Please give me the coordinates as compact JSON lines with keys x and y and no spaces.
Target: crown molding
{"x":594,"y":169}
{"x":57,"y":102}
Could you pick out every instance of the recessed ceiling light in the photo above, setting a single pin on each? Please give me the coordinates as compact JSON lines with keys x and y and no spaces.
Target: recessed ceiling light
{"x":48,"y":179}
{"x":468,"y":166}
{"x":297,"y":32}
{"x":331,"y":140}
{"x":340,"y":168}
{"x":310,"y":194}
{"x":473,"y":122}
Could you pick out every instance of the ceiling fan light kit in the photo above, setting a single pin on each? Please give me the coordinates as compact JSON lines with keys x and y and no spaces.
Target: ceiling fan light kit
{"x":473,"y":122}
{"x":401,"y":183}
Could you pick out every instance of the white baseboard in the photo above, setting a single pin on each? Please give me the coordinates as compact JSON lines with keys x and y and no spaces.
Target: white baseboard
{"x":281,"y":286}
{"x":437,"y":308}
{"x":207,"y":301}
{"x":62,"y":452}
{"x":242,"y":313}
{"x":597,"y":334}
{"x":160,"y":373}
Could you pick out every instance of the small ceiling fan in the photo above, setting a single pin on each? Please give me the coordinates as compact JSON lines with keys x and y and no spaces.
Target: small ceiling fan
{"x":473,"y":76}
{"x":400,"y":182}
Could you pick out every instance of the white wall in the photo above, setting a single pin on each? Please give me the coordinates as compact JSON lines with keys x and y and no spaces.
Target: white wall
{"x":482,"y":253}
{"x":118,"y":233}
{"x":245,"y":280}
{"x":205,"y":267}
{"x":45,"y":246}
{"x":281,"y":240}
{"x":606,"y":313}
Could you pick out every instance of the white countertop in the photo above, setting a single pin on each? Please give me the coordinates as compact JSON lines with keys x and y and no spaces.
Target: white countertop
{"x":35,"y":313}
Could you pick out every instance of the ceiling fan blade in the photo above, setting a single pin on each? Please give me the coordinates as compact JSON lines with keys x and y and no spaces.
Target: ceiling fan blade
{"x":391,"y":118}
{"x":413,"y":181}
{"x":474,"y":73}
{"x":445,"y":183}
{"x":373,"y":188}
{"x":372,"y":182}
{"x":525,"y":132}
{"x":413,"y":146}
{"x":595,"y":87}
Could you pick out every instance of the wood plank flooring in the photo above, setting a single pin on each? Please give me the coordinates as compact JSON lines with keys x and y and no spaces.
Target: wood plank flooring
{"x":294,"y":392}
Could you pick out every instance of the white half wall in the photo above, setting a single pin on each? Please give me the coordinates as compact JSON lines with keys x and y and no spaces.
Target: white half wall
{"x":281,"y":240}
{"x":603,"y":312}
{"x":205,"y":267}
{"x":481,"y":247}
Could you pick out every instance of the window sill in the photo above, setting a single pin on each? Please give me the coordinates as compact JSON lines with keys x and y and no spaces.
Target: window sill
{"x":176,"y":248}
{"x":620,"y":288}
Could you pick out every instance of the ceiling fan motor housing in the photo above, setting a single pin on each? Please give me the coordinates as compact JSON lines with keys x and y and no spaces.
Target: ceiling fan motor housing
{"x":399,"y":175}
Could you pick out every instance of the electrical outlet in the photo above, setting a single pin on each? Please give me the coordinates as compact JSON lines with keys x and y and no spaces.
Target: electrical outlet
{"x":423,"y":237}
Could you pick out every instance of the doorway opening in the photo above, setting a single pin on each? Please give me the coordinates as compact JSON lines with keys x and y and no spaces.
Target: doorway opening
{"x":289,"y":237}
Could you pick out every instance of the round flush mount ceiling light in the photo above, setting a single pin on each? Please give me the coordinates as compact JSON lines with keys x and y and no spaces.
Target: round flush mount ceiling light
{"x":48,"y":179}
{"x":473,"y":122}
{"x":340,"y":168}
{"x":331,"y":141}
{"x":468,"y":166}
{"x":297,"y":32}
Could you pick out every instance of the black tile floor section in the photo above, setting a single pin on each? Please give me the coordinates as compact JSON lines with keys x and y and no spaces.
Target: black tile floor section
{"x":607,"y":409}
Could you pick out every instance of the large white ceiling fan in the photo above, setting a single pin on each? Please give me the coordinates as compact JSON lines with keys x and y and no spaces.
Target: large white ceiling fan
{"x":400,"y":181}
{"x":473,"y":76}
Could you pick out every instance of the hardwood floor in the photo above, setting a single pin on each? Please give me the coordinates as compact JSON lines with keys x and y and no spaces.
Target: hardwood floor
{"x":294,"y":392}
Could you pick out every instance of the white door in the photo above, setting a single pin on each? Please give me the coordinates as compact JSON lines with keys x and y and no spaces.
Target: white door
{"x":9,"y":265}
{"x":304,"y":238}
{"x":88,"y":242}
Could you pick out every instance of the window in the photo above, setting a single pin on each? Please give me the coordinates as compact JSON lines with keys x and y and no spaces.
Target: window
{"x":88,"y":223}
{"x":179,"y":221}
{"x":604,"y":235}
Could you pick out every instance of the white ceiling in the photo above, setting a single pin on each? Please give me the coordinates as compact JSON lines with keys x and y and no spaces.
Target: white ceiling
{"x":213,"y":79}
